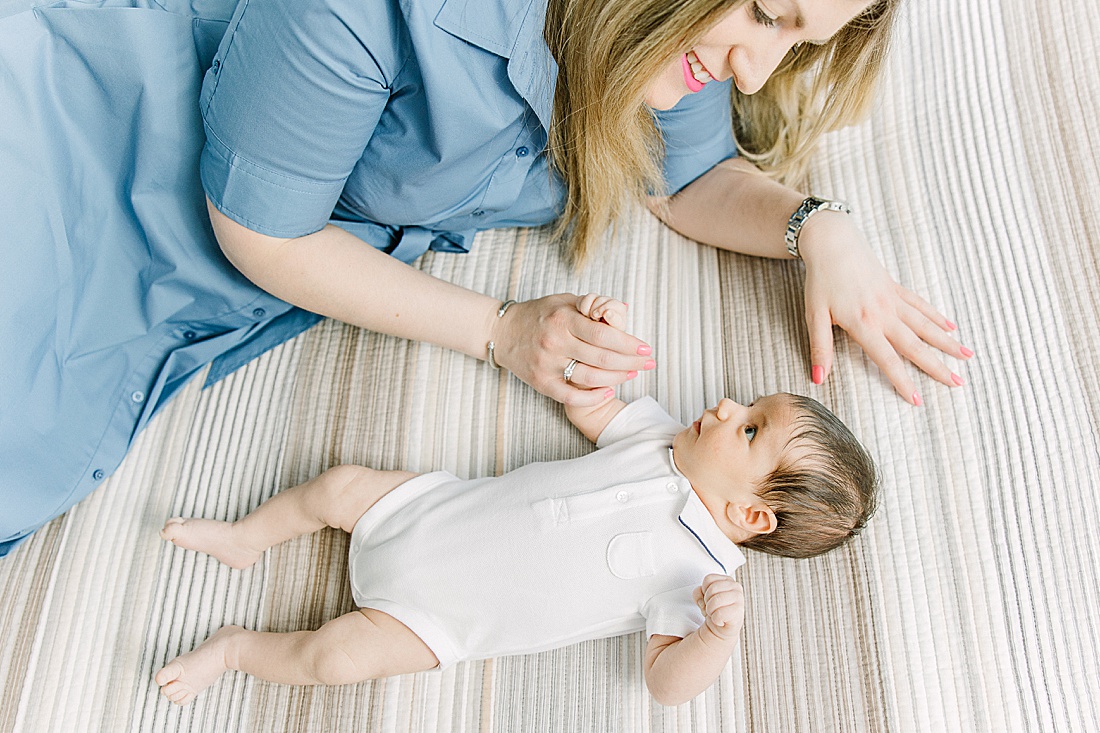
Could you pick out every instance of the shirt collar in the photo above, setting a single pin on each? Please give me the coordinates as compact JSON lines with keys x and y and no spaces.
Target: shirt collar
{"x":513,"y":30}
{"x":697,"y":519}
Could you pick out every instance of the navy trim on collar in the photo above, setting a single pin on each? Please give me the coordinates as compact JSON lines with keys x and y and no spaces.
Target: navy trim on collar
{"x":704,"y":544}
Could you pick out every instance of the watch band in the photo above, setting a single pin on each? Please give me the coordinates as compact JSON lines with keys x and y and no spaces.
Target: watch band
{"x":810,"y":206}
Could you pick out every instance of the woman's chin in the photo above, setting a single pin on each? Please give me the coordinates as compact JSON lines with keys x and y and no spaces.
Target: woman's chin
{"x":663,"y":99}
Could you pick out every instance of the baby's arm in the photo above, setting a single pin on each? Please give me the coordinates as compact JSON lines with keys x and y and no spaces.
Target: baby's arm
{"x":592,"y":420}
{"x":676,"y":670}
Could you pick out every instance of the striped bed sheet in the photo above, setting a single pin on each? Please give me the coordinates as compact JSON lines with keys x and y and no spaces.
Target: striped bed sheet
{"x":969,"y":604}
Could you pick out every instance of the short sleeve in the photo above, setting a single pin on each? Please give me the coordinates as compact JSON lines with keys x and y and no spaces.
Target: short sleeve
{"x":698,"y":134}
{"x":289,"y":104}
{"x":642,"y":418}
{"x":672,"y":613}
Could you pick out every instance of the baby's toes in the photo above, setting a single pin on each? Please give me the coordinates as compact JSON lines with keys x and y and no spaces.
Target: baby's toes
{"x":180,"y":696}
{"x":171,"y":528}
{"x":175,"y":689}
{"x":168,"y":673}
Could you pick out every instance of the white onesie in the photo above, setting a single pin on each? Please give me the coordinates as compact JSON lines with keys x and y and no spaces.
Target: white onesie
{"x":547,"y":555}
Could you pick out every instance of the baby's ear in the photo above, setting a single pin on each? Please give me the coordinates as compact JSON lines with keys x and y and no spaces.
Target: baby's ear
{"x":754,"y":517}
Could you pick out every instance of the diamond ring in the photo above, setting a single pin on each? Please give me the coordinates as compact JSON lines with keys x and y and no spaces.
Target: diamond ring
{"x":568,"y":373}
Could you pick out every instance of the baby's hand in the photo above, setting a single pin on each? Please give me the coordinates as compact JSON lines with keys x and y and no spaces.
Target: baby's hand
{"x":722,"y":601}
{"x":603,"y":308}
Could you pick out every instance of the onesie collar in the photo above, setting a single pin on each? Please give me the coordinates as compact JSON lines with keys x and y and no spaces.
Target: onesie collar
{"x":701,"y":524}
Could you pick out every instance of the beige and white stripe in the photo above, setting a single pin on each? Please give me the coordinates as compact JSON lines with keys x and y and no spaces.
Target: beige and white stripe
{"x":970,"y":603}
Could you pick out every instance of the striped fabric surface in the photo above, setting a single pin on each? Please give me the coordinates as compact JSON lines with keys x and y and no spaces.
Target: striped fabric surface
{"x":969,"y":604}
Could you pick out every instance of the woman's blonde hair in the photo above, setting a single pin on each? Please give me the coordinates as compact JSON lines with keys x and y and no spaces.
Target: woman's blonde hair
{"x":603,"y":139}
{"x":815,"y":90}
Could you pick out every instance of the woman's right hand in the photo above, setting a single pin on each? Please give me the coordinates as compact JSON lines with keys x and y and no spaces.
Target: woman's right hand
{"x":537,"y":339}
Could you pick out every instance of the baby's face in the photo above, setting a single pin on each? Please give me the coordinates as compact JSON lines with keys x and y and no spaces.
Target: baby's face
{"x":732,"y":447}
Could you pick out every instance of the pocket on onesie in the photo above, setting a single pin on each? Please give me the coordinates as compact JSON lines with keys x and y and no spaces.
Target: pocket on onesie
{"x":630,"y":555}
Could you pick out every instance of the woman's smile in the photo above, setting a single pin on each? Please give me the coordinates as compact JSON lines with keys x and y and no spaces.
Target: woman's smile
{"x":696,"y":75}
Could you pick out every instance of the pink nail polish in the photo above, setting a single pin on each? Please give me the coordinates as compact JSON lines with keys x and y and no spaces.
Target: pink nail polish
{"x":957,"y":379}
{"x":609,"y":393}
{"x":951,"y":326}
{"x":650,"y":364}
{"x":817,"y":374}
{"x":966,"y":352}
{"x":917,"y":401}
{"x":631,"y":374}
{"x":644,"y":350}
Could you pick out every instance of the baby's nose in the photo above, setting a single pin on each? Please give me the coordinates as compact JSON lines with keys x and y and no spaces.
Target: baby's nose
{"x":727,"y":408}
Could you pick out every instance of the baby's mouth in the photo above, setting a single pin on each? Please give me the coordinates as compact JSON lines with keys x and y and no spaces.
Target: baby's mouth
{"x":696,"y":75}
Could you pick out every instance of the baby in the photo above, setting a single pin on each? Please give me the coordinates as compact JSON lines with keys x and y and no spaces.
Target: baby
{"x":642,"y":533}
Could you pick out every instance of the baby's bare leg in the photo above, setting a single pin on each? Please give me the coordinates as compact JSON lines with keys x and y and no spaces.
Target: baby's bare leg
{"x":361,"y":645}
{"x":336,"y":498}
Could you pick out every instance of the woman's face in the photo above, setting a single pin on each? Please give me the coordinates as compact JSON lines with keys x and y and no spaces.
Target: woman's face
{"x":748,"y":43}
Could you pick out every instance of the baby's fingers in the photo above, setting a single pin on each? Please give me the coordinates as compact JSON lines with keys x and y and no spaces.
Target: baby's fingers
{"x":726,"y":599}
{"x":613,"y":314}
{"x":725,"y":614}
{"x":725,"y":609}
{"x":603,"y":308}
{"x":720,"y":591}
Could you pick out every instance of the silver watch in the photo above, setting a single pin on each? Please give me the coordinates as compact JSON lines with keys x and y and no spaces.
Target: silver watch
{"x":810,"y":206}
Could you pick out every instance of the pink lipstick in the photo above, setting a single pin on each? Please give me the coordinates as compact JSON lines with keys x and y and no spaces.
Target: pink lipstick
{"x":693,"y":84}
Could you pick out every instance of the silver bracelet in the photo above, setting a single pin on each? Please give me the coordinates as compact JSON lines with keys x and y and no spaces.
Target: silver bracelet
{"x":492,"y":345}
{"x":810,"y":206}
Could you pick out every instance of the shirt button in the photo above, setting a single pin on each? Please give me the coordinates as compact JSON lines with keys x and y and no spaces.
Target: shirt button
{"x":673,"y":487}
{"x":97,"y":475}
{"x":622,"y":497}
{"x":479,"y":212}
{"x":190,"y":335}
{"x":138,"y":396}
{"x":215,"y":66}
{"x":259,"y":313}
{"x":522,"y":151}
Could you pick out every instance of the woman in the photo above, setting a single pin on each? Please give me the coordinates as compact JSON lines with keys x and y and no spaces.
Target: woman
{"x":348,"y":100}
{"x":408,"y":126}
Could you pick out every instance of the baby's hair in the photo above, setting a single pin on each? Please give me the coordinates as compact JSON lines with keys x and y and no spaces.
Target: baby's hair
{"x":823,"y":491}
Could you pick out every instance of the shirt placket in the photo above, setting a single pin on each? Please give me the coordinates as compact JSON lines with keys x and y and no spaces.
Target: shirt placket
{"x":507,"y":180}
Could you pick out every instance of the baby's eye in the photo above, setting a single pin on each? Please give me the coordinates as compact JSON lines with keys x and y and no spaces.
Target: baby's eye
{"x":750,"y":432}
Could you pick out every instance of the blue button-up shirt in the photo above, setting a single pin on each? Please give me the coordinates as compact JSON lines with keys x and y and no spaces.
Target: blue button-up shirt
{"x":410,"y":124}
{"x":114,"y":292}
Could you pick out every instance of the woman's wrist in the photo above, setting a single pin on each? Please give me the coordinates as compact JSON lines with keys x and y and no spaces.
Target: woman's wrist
{"x":494,"y":331}
{"x":818,"y":231}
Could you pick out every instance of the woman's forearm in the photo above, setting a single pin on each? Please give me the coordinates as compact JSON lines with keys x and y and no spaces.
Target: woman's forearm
{"x":333,"y":273}
{"x":736,"y":207}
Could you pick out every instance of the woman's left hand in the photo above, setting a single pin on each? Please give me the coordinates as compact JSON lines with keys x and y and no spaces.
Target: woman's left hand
{"x":847,"y":286}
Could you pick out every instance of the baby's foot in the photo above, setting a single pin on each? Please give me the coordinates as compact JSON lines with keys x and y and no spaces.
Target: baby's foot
{"x":215,"y":538}
{"x":189,"y":674}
